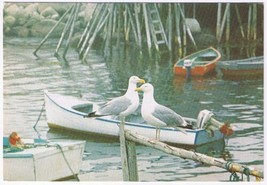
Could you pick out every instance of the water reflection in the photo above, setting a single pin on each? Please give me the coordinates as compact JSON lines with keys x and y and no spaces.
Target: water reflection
{"x":239,"y":102}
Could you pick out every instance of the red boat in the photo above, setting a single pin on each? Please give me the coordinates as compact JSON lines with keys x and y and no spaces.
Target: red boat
{"x":198,"y":64}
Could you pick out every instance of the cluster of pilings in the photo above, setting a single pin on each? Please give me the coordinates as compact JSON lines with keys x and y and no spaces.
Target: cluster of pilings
{"x":152,"y":26}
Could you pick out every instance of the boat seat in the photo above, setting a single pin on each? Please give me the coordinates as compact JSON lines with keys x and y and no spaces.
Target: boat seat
{"x":202,"y":62}
{"x":85,"y":108}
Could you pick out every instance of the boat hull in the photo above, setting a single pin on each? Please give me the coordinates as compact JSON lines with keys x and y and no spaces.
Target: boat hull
{"x":245,"y":68}
{"x":44,"y":163}
{"x":60,"y":114}
{"x":199,"y":67}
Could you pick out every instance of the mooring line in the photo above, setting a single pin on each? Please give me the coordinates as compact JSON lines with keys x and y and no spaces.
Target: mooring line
{"x":40,"y":114}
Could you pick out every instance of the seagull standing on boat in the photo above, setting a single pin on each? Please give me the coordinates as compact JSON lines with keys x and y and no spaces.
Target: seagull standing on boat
{"x":121,"y":106}
{"x":159,"y":115}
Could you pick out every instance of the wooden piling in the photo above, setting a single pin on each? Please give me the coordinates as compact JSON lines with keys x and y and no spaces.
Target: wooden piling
{"x":132,"y":160}
{"x":64,"y":32}
{"x":108,"y":39}
{"x":130,"y":16}
{"x":239,"y":21}
{"x":223,"y":21}
{"x":52,"y":29}
{"x":77,"y":7}
{"x":87,"y":26}
{"x":138,"y":28}
{"x":227,"y":32}
{"x":177,"y":24}
{"x":249,"y":22}
{"x":118,"y":29}
{"x":218,"y":25}
{"x":102,"y":21}
{"x":186,"y":28}
{"x":124,"y":156}
{"x":170,"y":17}
{"x":101,"y":9}
{"x":148,"y":37}
{"x":254,"y":22}
{"x":186,"y":154}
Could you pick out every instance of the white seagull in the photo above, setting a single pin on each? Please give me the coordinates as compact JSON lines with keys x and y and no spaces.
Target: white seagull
{"x":121,"y":106}
{"x":159,"y":115}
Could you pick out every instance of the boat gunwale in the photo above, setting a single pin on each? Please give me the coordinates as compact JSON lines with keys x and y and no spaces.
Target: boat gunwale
{"x":196,"y":131}
{"x":234,"y":64}
{"x":205,"y":65}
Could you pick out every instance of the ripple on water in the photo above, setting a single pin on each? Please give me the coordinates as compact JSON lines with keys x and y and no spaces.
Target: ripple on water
{"x":25,"y":78}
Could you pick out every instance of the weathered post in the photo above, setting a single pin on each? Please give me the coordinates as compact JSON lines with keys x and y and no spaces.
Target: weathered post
{"x":227,"y":34}
{"x":177,"y":24}
{"x":223,"y":21}
{"x":218,"y":25}
{"x":132,"y":160}
{"x":239,"y":21}
{"x":67,"y":26}
{"x":49,"y":33}
{"x":124,"y":159}
{"x":249,"y":22}
{"x":170,"y":26}
{"x":77,"y":7}
{"x":148,"y":37}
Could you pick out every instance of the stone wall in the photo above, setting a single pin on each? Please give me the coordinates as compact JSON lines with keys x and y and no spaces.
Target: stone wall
{"x":36,"y":19}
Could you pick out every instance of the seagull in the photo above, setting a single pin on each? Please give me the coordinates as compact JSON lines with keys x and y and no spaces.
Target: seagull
{"x":121,"y":106}
{"x":159,"y":115}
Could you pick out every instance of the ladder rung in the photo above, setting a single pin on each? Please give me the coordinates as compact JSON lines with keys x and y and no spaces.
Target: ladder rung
{"x":155,"y":21}
{"x":160,"y":42}
{"x":153,"y":11}
{"x":158,"y":31}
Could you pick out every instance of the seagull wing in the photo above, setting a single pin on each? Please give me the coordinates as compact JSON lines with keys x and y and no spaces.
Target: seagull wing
{"x":115,"y":106}
{"x":168,"y":116}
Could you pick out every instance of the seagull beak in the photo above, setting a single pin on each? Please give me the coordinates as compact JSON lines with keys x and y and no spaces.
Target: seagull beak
{"x":141,"y":81}
{"x":138,"y":89}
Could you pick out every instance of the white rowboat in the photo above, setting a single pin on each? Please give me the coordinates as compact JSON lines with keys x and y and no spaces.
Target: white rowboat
{"x":66,"y":112}
{"x":42,"y":160}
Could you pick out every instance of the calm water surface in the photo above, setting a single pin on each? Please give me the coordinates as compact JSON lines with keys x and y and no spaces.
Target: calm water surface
{"x":238,"y":102}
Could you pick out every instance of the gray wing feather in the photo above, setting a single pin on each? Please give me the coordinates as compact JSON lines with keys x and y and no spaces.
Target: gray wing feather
{"x":115,"y":106}
{"x":168,"y":116}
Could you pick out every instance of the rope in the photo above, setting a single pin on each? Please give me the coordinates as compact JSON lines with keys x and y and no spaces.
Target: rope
{"x":75,"y":175}
{"x":39,"y":115}
{"x":234,"y":176}
{"x":34,"y":145}
{"x":246,"y":171}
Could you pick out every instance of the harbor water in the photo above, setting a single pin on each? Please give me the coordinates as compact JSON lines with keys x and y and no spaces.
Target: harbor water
{"x":239,"y":102}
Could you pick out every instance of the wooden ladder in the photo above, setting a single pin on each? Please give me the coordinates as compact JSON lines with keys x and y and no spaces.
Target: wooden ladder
{"x":156,"y":27}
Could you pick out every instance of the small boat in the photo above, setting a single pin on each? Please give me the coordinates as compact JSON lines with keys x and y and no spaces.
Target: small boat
{"x":244,"y":68}
{"x":66,"y":112}
{"x":42,"y":160}
{"x":201,"y":63}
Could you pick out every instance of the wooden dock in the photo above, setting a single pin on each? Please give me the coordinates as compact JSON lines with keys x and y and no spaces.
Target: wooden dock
{"x":129,"y":159}
{"x":155,"y":26}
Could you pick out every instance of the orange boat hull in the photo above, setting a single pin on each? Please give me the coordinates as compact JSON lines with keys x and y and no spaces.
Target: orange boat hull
{"x":198,"y":69}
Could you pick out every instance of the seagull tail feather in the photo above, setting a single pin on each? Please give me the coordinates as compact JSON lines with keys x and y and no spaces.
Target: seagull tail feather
{"x":92,"y":115}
